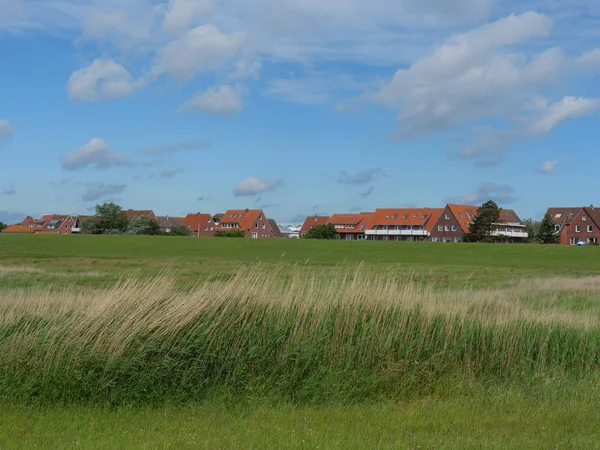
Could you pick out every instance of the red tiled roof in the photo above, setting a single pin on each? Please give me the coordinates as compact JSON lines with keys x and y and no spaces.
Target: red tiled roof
{"x":169,"y":222}
{"x":361,"y":222}
{"x":465,"y":214}
{"x":406,"y":216}
{"x":18,"y":229}
{"x":194,"y":220}
{"x":313,"y":221}
{"x":133,"y":213}
{"x":244,"y":217}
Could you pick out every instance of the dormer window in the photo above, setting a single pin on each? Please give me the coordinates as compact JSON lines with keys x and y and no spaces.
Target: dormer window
{"x":395,"y":216}
{"x":405,"y":216}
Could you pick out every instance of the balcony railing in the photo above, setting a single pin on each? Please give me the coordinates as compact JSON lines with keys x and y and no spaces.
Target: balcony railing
{"x":75,"y":230}
{"x":397,"y":233}
{"x":506,"y":233}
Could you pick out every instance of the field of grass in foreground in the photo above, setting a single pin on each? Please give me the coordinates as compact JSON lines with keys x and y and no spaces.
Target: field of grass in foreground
{"x":250,"y":344}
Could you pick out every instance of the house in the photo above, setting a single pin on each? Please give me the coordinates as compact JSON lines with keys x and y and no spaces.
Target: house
{"x":19,"y":229}
{"x":133,"y":213}
{"x":40,"y":224}
{"x":313,"y":221}
{"x":351,"y":227}
{"x":201,"y":225}
{"x":56,"y":224}
{"x":168,"y":222}
{"x":275,"y":229}
{"x":576,"y":225}
{"x":78,"y":222}
{"x":29,"y":222}
{"x":403,"y":224}
{"x":252,"y":222}
{"x":454,"y":223}
{"x":217,"y":218}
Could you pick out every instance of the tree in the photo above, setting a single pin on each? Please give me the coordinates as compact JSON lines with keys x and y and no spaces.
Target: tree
{"x":488,"y":216}
{"x":180,"y":230}
{"x":531,"y":228}
{"x":547,"y":232}
{"x":321,"y":232}
{"x":144,"y":225}
{"x":3,"y":226}
{"x":230,"y":234}
{"x":109,"y":219}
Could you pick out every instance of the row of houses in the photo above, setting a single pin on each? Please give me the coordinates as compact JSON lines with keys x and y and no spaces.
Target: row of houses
{"x":574,"y":225}
{"x":254,"y":223}
{"x":448,"y":224}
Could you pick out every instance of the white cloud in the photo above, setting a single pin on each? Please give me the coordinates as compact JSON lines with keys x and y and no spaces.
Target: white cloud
{"x":180,"y":14}
{"x":176,"y":147}
{"x":567,"y":108}
{"x":254,"y":186}
{"x":95,"y":191}
{"x":95,"y":153}
{"x":247,"y":68}
{"x":361,"y":177}
{"x":550,"y":166}
{"x":6,"y":129}
{"x":500,"y":193}
{"x":217,"y":100}
{"x":104,"y":79}
{"x":201,"y":50}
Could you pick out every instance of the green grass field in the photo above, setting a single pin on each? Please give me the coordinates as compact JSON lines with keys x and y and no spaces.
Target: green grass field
{"x":126,"y":341}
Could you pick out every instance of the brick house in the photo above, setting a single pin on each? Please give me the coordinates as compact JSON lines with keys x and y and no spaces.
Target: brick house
{"x":201,"y":225}
{"x":403,"y":224}
{"x":577,"y":224}
{"x":351,"y":227}
{"x":252,"y":222}
{"x":313,"y":221}
{"x":454,"y":223}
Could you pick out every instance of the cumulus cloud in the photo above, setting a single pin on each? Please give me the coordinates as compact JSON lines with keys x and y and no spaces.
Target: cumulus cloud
{"x":201,"y":50}
{"x":96,"y":191}
{"x":6,"y":129}
{"x":180,"y":14}
{"x":168,"y":173}
{"x":176,"y":147}
{"x":550,"y":166}
{"x":95,"y":153}
{"x":104,"y":79}
{"x":361,"y":177}
{"x":222,"y":99}
{"x":500,"y":193}
{"x":254,"y":186}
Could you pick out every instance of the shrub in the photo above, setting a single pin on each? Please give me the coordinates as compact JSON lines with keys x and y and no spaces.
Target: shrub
{"x":321,"y":232}
{"x":230,"y":234}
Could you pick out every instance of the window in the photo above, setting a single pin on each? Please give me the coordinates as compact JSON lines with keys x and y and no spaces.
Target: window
{"x":447,"y":228}
{"x":590,"y":228}
{"x":558,"y":216}
{"x":556,"y":227}
{"x":395,"y":216}
{"x":447,"y":239}
{"x":255,"y":225}
{"x":584,"y":218}
{"x":434,"y":239}
{"x":387,"y":216}
{"x":457,"y":239}
{"x":205,"y":228}
{"x":571,"y":215}
{"x":577,"y":228}
{"x":460,"y":215}
{"x":348,"y":237}
{"x":453,"y":227}
{"x":405,"y":216}
{"x":264,"y":226}
{"x":363,"y":227}
{"x":424,"y":217}
{"x":260,"y":217}
{"x":440,"y":227}
{"x":447,"y":216}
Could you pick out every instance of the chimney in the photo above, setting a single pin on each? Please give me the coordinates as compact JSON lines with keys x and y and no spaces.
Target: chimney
{"x":247,"y":210}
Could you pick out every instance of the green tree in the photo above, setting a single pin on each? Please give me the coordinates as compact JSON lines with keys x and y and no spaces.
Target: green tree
{"x":144,"y":225}
{"x":547,"y":232}
{"x":3,"y":226}
{"x":321,"y":232}
{"x":531,"y":228}
{"x":91,"y":225}
{"x":230,"y":234}
{"x":488,"y":216}
{"x":109,"y":219}
{"x":180,"y":230}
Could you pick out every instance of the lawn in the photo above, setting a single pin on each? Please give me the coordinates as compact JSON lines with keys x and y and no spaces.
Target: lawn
{"x":127,"y":341}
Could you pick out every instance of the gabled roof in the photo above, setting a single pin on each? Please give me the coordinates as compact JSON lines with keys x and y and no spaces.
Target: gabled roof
{"x":406,"y":216}
{"x":133,"y":213}
{"x":313,"y":221}
{"x":18,"y":229}
{"x":244,"y":217}
{"x":195,"y":220}
{"x":275,"y":228}
{"x":465,"y":214}
{"x":561,"y":216}
{"x":169,"y":222}
{"x":361,"y":222}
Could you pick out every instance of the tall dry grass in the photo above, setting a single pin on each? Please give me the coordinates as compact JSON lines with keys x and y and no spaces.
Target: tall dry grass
{"x":292,"y":335}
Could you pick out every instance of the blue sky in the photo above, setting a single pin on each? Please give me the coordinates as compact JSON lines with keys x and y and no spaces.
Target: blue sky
{"x":297,"y":106}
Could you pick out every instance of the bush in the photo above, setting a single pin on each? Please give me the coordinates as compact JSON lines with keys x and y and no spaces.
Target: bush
{"x":144,"y":225}
{"x":230,"y":234}
{"x":321,"y":232}
{"x":180,"y":230}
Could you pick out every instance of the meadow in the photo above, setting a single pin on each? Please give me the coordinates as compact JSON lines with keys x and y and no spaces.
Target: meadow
{"x":152,"y":341}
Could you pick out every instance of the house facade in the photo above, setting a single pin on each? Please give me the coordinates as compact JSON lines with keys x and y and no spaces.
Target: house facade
{"x":403,"y":224}
{"x":576,"y":225}
{"x":201,"y":225}
{"x":351,"y":227}
{"x":252,"y":222}
{"x":168,"y":222}
{"x":313,"y":221}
